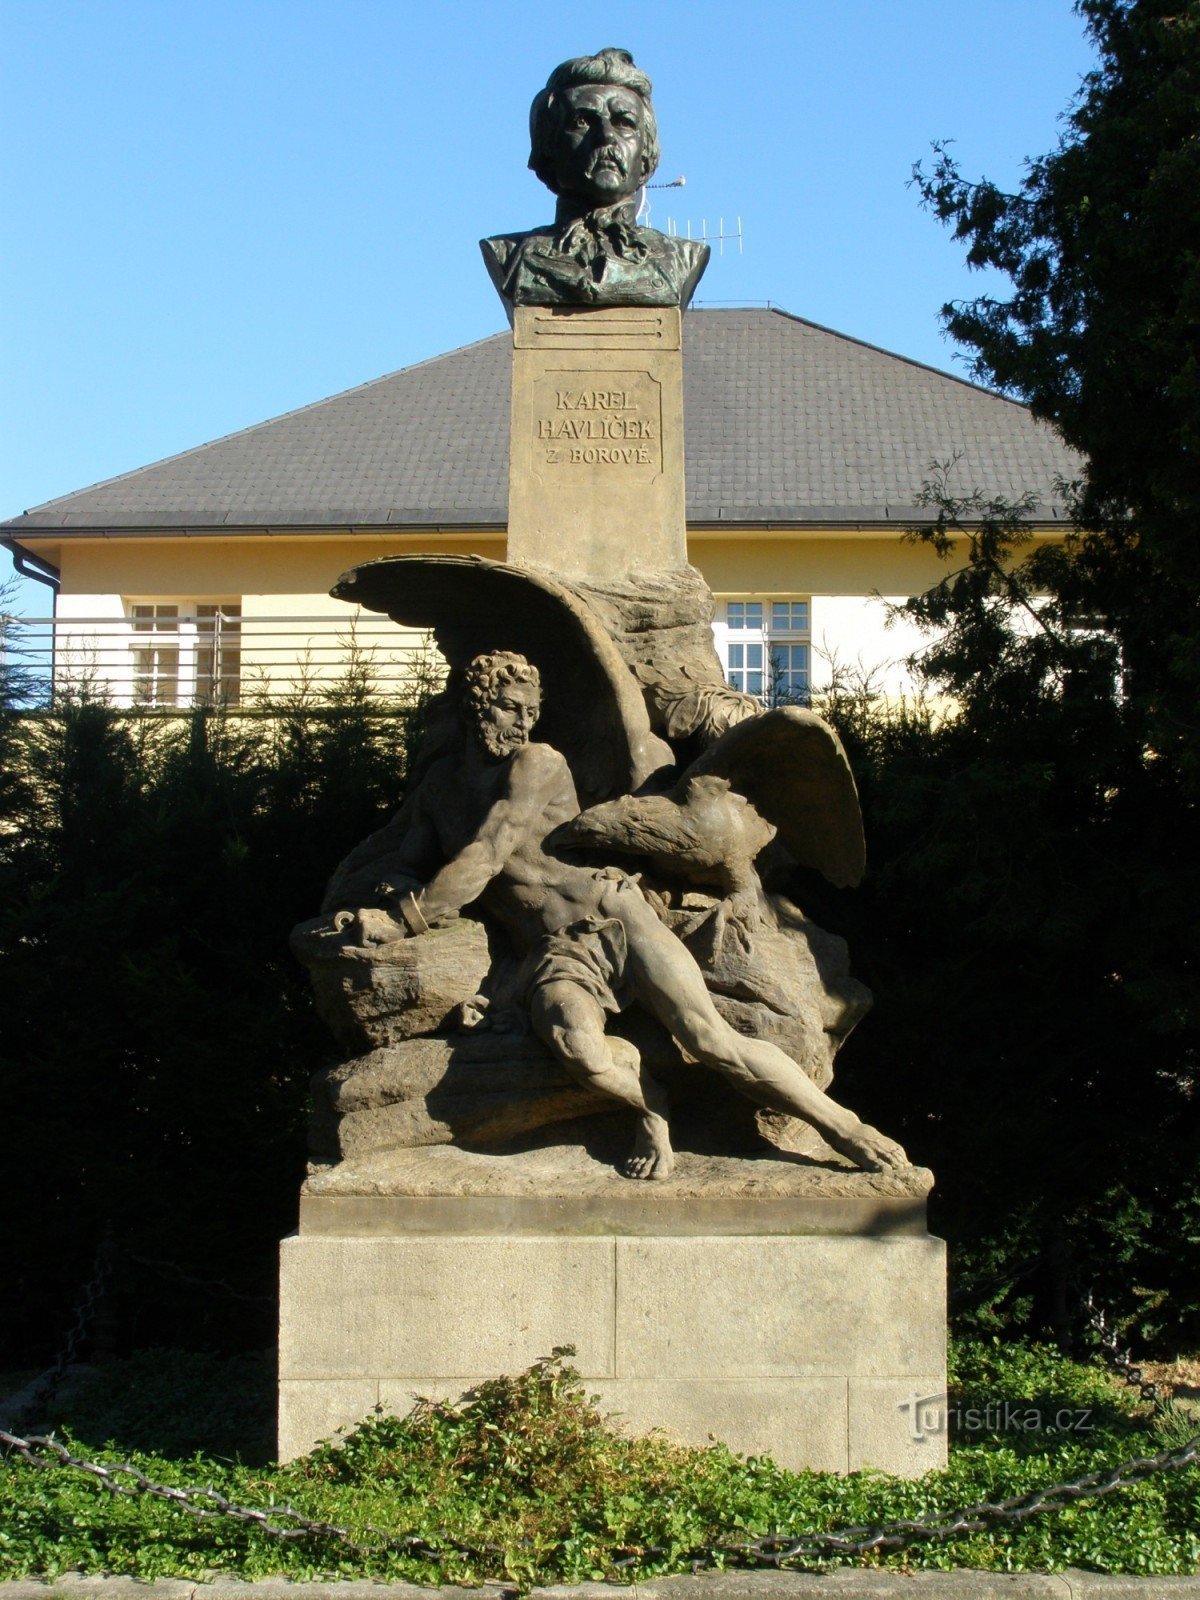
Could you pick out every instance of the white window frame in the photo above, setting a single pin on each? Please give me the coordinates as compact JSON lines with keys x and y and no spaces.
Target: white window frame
{"x":196,"y":659}
{"x":764,"y":639}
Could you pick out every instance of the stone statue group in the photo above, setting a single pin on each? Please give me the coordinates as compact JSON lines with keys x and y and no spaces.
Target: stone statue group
{"x":584,"y":884}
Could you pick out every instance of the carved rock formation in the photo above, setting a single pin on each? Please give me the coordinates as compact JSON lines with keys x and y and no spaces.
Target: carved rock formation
{"x":479,"y":1090}
{"x":661,"y":622}
{"x":371,"y":996}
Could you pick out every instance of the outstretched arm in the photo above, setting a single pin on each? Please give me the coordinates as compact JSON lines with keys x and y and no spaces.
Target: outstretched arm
{"x":406,"y":847}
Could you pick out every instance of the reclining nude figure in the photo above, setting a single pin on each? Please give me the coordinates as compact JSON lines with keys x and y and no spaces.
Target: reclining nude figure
{"x":589,"y":941}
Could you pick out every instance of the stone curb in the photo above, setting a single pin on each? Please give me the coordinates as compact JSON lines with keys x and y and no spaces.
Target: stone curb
{"x":843,"y":1584}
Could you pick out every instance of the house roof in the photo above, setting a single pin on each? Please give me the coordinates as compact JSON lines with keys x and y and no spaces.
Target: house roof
{"x":786,"y":422}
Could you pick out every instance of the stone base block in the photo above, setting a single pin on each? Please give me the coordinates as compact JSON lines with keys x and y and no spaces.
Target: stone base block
{"x":811,"y":1347}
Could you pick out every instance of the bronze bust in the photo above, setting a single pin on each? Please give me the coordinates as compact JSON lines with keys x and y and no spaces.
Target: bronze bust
{"x":594,"y":143}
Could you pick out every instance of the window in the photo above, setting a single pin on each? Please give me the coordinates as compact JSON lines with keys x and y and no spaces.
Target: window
{"x":186,"y":653}
{"x":789,"y":616}
{"x":788,"y":645}
{"x":789,"y":674}
{"x":746,"y":645}
{"x":218,"y":654}
{"x":743,"y":614}
{"x":764,"y":645}
{"x":156,"y":655}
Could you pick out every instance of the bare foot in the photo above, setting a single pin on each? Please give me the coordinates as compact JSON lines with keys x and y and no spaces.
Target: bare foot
{"x":651,"y":1156}
{"x":872,"y":1150}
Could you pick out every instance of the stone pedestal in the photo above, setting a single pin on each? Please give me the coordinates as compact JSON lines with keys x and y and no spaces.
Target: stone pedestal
{"x":596,"y":465}
{"x":785,"y":1308}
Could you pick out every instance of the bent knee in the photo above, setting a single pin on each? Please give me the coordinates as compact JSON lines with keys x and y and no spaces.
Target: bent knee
{"x":583,"y":1048}
{"x":566,"y":1039}
{"x":557,"y":1007}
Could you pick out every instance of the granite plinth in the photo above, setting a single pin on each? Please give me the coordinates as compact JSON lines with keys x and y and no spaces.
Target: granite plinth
{"x":787,"y":1308}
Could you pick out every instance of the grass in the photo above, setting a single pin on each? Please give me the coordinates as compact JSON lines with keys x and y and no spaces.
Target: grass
{"x":533,"y":1479}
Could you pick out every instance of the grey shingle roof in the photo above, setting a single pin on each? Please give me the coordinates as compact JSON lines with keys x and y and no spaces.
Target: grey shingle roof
{"x":786,"y":422}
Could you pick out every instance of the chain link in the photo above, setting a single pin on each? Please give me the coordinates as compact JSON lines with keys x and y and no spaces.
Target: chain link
{"x":973,"y":1288}
{"x":284,"y":1522}
{"x":170,"y":1269}
{"x":42,"y":1389}
{"x":775,"y":1550}
{"x":1120,"y":1358}
{"x":39,"y":1391}
{"x":85,"y":1313}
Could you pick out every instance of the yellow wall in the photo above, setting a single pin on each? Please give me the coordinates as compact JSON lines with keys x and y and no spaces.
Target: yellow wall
{"x":803,"y":563}
{"x":291,"y":631}
{"x":290,"y":566}
{"x":288,"y":576}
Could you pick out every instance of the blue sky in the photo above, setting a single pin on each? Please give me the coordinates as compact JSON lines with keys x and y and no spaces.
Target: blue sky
{"x":218,"y":210}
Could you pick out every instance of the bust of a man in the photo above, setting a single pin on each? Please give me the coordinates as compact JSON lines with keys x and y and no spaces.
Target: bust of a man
{"x":594,"y":143}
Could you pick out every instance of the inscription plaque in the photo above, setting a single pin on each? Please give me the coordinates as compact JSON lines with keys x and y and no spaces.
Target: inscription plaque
{"x":589,"y":419}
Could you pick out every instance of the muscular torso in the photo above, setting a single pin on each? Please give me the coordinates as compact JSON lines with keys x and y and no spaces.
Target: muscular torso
{"x":508,"y":807}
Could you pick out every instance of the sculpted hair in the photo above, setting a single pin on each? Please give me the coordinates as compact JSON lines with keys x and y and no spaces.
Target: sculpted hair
{"x":546,"y":113}
{"x":489,"y":674}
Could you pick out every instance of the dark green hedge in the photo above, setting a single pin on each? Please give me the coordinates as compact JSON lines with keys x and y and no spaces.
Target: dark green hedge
{"x":1028,"y":928}
{"x":157,"y":1035}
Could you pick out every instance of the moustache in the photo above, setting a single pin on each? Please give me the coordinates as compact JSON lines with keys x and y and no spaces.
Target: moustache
{"x":607,"y":156}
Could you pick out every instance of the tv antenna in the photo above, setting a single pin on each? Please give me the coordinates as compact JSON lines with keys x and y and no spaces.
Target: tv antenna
{"x":720,"y":238}
{"x":642,"y":216}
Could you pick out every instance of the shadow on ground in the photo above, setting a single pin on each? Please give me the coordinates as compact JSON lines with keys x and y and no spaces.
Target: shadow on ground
{"x":174,"y":1403}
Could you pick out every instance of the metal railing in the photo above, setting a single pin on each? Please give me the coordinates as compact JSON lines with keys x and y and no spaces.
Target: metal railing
{"x":214,"y":655}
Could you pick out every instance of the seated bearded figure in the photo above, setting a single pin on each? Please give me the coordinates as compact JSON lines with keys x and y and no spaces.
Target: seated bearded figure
{"x":477,"y":833}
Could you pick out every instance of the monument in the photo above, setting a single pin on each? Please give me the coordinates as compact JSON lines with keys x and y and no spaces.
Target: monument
{"x":588,"y":1036}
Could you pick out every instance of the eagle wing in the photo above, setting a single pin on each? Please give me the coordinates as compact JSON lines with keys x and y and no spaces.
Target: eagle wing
{"x":790,"y":765}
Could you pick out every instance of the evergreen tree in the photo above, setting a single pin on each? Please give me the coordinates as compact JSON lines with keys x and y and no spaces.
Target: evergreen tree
{"x":157,"y":1037}
{"x":1101,"y":336}
{"x":1032,"y":932}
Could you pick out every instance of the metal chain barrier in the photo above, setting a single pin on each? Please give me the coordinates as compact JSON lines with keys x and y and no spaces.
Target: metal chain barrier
{"x":775,"y":1550}
{"x":85,"y":1313}
{"x":974,"y":1287}
{"x":40,"y":1390}
{"x":169,"y":1269}
{"x":283,"y":1522}
{"x":1120,"y":1358}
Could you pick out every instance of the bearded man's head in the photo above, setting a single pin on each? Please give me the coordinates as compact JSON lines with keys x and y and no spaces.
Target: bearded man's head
{"x":502,"y":698}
